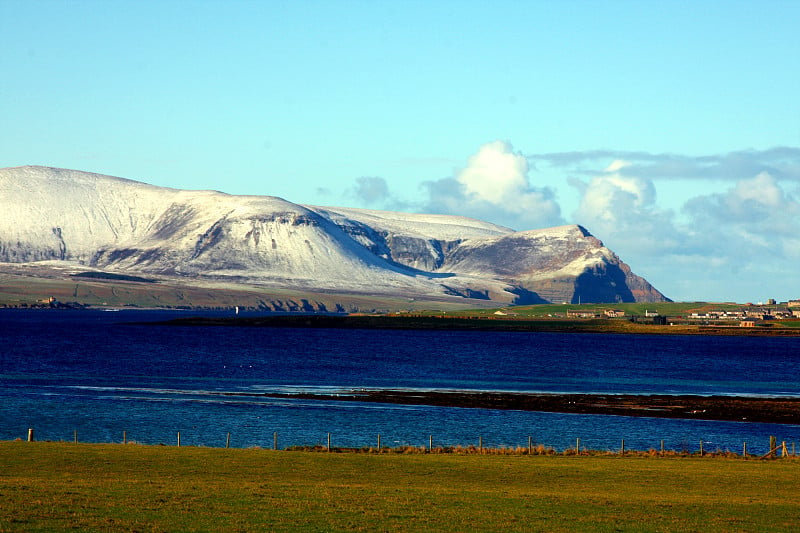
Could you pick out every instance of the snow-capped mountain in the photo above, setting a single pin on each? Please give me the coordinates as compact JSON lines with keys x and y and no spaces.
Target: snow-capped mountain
{"x":119,"y":225}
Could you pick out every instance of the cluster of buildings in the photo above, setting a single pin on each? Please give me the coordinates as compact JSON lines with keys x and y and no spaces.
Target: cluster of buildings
{"x":747,"y":316}
{"x":585,"y":313}
{"x":750,"y":316}
{"x":754,"y":314}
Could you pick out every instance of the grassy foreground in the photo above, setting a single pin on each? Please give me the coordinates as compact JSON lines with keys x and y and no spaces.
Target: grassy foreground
{"x":112,"y":487}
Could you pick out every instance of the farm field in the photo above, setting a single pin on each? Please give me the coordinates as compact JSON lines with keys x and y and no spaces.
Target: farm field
{"x":55,"y":486}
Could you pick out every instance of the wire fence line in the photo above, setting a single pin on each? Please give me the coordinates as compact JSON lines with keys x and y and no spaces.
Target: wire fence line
{"x":776,"y":448}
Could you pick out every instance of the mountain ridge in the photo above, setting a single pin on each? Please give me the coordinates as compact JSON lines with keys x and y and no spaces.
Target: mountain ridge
{"x":121,"y":225}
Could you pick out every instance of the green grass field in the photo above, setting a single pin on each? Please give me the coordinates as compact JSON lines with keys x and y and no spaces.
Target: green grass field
{"x":113,"y":487}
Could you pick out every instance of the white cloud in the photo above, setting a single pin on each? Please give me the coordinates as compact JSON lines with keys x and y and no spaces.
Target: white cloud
{"x":495,"y":174}
{"x":611,"y":201}
{"x":761,"y":193}
{"x":757,"y":204}
{"x":495,"y":186}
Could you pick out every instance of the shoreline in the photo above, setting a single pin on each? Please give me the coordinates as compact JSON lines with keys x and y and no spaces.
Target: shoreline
{"x":451,"y":323}
{"x":770,"y":410}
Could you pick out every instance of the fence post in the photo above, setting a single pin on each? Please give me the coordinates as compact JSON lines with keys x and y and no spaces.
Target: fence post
{"x":784,"y":453}
{"x":530,"y":445}
{"x":577,"y":446}
{"x":124,"y":437}
{"x":622,"y":449}
{"x":30,"y":434}
{"x":772,"y":445}
{"x":744,"y":450}
{"x":379,"y":442}
{"x":228,"y":440}
{"x":75,"y":436}
{"x":430,"y":443}
{"x":179,"y":439}
{"x":662,"y":446}
{"x":480,"y":443}
{"x":701,"y":447}
{"x":329,"y":442}
{"x":275,"y":440}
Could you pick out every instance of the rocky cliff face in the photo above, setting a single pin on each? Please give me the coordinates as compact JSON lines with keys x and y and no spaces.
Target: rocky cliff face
{"x":120,"y":225}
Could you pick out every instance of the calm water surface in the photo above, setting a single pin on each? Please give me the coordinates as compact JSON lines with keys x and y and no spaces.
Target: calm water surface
{"x":94,"y":373}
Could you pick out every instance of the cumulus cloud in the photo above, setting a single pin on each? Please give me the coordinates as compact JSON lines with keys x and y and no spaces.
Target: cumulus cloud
{"x":495,"y":174}
{"x":622,"y":207}
{"x":758,"y":210}
{"x":750,"y":200}
{"x":495,"y":186}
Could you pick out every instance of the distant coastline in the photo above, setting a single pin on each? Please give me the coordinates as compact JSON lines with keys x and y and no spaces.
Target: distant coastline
{"x":471,"y":323}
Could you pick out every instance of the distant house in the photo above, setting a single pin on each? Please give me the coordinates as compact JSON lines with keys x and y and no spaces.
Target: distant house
{"x":793,"y":303}
{"x":582,"y":314}
{"x":614,"y":313}
{"x":747,"y":324}
{"x":718,"y":315}
{"x":650,"y":314}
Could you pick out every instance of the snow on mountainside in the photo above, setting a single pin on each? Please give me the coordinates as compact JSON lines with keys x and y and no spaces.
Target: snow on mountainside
{"x":415,"y":240}
{"x":42,"y":206}
{"x":441,"y":227}
{"x":117,"y":224}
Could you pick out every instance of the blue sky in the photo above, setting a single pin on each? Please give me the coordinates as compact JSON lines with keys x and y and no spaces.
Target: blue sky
{"x":669,"y":129}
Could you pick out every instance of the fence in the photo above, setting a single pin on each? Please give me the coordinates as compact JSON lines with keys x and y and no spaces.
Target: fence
{"x":532,"y":448}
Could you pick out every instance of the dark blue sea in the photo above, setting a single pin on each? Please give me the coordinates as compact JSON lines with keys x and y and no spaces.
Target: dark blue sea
{"x":97,"y":374}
